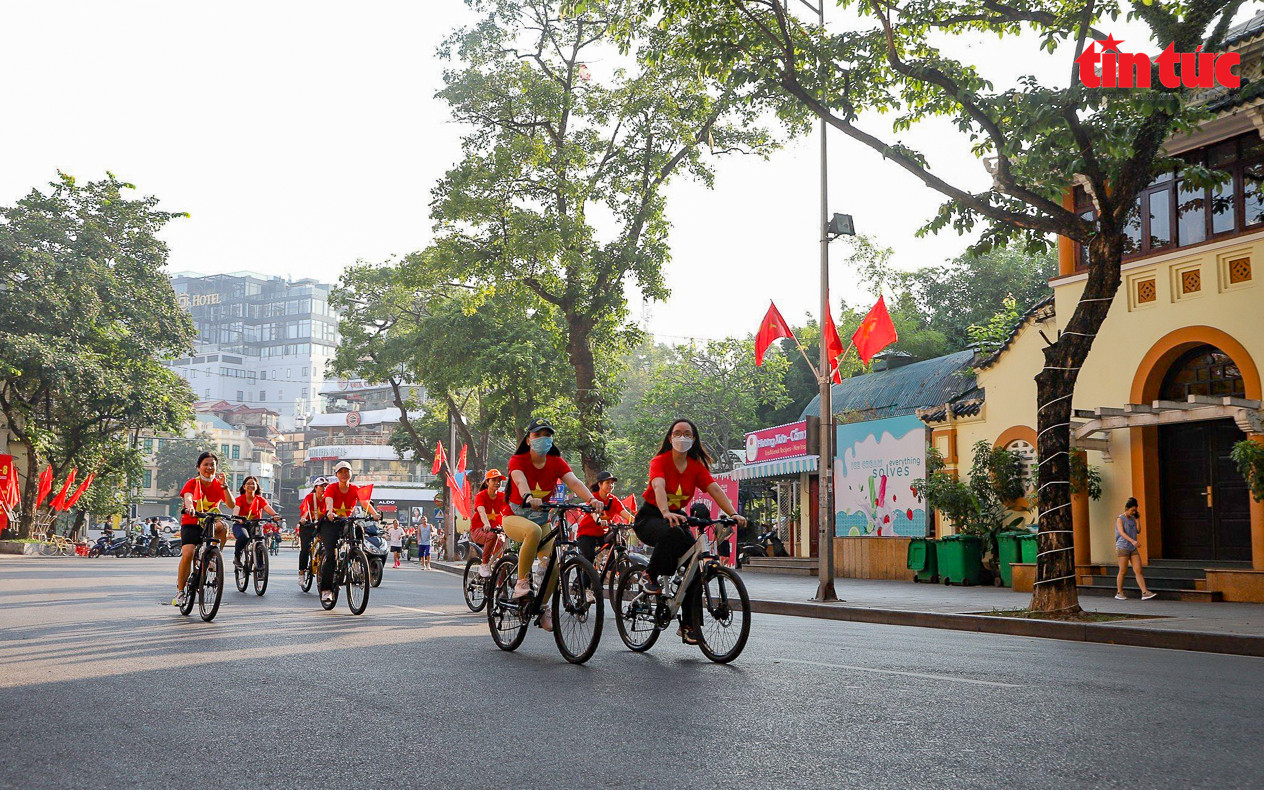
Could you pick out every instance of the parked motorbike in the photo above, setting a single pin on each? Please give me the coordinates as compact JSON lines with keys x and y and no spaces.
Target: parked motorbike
{"x":377,"y":550}
{"x":118,"y":547}
{"x":463,"y":547}
{"x":765,"y":544}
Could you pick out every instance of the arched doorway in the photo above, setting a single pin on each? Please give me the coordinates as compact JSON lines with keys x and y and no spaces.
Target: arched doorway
{"x":1206,"y":512}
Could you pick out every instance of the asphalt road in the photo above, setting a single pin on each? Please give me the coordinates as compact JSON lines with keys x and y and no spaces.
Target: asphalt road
{"x":102,"y":685}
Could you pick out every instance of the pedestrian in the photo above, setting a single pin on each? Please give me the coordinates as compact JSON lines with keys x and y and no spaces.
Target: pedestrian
{"x":1127,"y":530}
{"x":423,"y":547}
{"x":395,"y":537}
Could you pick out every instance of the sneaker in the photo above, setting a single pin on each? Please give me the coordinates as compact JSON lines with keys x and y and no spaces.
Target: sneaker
{"x":1120,"y":597}
{"x":546,"y":620}
{"x":522,"y":589}
{"x":301,"y":577}
{"x":1149,"y":595}
{"x":327,"y":596}
{"x":484,"y":571}
{"x":589,"y":596}
{"x":687,"y":635}
{"x":651,"y":587}
{"x":178,"y":600}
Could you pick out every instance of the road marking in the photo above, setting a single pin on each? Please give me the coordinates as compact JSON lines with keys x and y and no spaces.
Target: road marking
{"x":898,"y":672}
{"x":413,"y":609}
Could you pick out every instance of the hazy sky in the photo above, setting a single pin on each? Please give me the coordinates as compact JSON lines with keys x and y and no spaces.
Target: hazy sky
{"x":302,"y":136}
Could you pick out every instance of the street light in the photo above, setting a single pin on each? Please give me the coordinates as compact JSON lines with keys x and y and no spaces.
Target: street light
{"x":840,"y":225}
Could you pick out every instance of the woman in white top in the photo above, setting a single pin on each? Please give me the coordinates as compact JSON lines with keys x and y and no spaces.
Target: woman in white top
{"x":395,"y":537}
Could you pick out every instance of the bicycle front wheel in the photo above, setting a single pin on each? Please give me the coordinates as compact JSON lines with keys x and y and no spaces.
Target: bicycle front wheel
{"x":358,"y":582}
{"x":241,"y":575}
{"x":474,"y":586}
{"x":505,"y":616}
{"x":261,"y":569}
{"x":634,"y":615}
{"x":578,"y":612}
{"x":212,"y":589}
{"x":721,"y":613}
{"x":313,"y":567}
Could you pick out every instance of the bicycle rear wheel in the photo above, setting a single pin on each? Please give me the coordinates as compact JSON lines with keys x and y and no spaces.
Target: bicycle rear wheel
{"x":212,"y":589}
{"x":358,"y":582}
{"x":474,"y":586}
{"x":721,"y":613}
{"x":505,"y":616}
{"x":576,"y":620}
{"x":241,"y":574}
{"x":191,"y":587}
{"x":634,"y":611}
{"x":261,"y":569}
{"x":313,"y":567}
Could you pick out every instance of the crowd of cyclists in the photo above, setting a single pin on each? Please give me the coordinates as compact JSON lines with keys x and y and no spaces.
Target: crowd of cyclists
{"x":525,"y":507}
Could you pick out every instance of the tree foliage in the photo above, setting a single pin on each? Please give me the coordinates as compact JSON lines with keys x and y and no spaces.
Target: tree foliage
{"x":176,"y":460}
{"x":86,"y":315}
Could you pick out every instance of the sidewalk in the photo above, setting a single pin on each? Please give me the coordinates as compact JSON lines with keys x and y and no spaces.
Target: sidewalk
{"x":1183,"y":625}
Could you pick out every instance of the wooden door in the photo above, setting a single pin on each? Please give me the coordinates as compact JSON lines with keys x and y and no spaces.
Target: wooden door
{"x":1206,"y":512}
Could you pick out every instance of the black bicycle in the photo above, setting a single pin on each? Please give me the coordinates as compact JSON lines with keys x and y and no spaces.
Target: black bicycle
{"x":575,"y":596}
{"x":312,"y":570}
{"x":351,"y":568}
{"x":255,"y":561}
{"x":615,"y":557}
{"x":205,"y":583}
{"x":720,"y":609}
{"x":473,"y":585}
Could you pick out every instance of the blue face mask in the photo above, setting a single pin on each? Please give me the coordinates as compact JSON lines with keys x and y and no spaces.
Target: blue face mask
{"x":542,"y":444}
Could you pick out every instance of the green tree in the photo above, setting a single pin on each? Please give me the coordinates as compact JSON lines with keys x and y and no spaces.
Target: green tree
{"x":86,"y":315}
{"x":176,"y":461}
{"x":904,"y":60}
{"x":559,"y":198}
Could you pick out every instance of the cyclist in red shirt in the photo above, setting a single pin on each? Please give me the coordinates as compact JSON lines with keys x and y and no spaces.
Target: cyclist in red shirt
{"x":310,"y":513}
{"x":591,"y":531}
{"x":490,"y":506}
{"x":534,"y":470}
{"x":341,"y":498}
{"x":681,"y":467}
{"x":200,"y":494}
{"x":250,"y":505}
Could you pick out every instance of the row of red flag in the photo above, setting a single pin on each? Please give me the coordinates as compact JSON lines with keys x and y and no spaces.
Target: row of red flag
{"x":875,"y":333}
{"x":10,"y":496}
{"x":461,"y":493}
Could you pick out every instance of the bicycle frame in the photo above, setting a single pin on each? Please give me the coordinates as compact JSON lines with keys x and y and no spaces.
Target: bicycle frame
{"x":199,"y":554}
{"x":563,"y":547}
{"x":693,"y":559}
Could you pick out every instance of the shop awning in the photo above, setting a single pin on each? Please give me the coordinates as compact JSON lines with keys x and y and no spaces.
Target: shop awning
{"x":778,"y":468}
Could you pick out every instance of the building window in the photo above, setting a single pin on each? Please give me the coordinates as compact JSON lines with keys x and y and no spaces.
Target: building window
{"x":223,"y":451}
{"x":1205,"y":370}
{"x":149,"y":448}
{"x":240,"y":396}
{"x":149,"y":478}
{"x":236,"y":451}
{"x":263,"y":395}
{"x":263,"y":375}
{"x":305,"y":373}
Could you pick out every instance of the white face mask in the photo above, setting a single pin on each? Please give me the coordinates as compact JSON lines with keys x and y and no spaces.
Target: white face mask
{"x":682,"y":444}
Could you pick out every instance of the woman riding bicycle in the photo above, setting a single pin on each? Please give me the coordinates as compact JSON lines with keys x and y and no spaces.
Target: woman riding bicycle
{"x":490,"y":506}
{"x":534,"y":470}
{"x":340,"y":499}
{"x":250,"y":505}
{"x":310,"y":513}
{"x":200,"y":494}
{"x":681,"y":467}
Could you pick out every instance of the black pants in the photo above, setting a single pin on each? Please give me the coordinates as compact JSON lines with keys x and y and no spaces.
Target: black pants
{"x":238,"y":548}
{"x":306,"y":532}
{"x":588,"y":545}
{"x":670,"y":544}
{"x":329,"y":534}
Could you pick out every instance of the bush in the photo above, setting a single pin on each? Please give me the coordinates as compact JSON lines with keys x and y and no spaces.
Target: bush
{"x":1249,"y":456}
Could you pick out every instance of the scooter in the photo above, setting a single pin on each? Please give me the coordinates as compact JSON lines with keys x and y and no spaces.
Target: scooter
{"x":765,"y":544}
{"x":376,"y":549}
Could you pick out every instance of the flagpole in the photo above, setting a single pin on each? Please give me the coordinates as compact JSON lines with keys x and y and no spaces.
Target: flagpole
{"x":825,"y":502}
{"x":815,"y":373}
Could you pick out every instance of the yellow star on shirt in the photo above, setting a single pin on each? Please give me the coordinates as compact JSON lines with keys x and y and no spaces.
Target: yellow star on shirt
{"x":677,"y":499}
{"x":540,"y":493}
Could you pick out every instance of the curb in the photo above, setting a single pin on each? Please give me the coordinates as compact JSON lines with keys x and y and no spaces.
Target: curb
{"x":1130,"y":636}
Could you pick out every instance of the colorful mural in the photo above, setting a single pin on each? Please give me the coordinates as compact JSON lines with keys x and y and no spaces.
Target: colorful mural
{"x":874,"y":471}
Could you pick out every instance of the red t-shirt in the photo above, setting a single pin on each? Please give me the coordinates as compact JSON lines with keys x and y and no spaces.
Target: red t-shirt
{"x":251,"y":509}
{"x":680,"y":485}
{"x":496,"y":508}
{"x":589,"y":525}
{"x":344,"y":501}
{"x":311,"y":507}
{"x":541,"y":480}
{"x":205,"y":497}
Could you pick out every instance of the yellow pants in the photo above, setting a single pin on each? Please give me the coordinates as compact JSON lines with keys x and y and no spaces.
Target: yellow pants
{"x":528,"y":533}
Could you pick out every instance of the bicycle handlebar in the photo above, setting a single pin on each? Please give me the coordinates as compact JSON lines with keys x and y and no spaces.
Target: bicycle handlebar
{"x":585,"y":508}
{"x":727,"y":521}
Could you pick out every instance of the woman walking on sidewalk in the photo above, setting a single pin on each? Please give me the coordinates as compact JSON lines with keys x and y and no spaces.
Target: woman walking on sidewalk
{"x":1126,"y":545}
{"x":423,"y":547}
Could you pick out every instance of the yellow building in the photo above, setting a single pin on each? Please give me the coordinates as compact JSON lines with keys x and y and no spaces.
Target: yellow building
{"x":1173,"y":379}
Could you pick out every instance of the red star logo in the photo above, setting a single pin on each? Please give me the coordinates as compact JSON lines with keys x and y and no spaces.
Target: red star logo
{"x":1111,"y":43}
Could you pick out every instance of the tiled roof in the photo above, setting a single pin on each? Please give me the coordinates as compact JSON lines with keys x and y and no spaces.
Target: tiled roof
{"x":1248,"y":29}
{"x":969,"y":405}
{"x":1040,"y":311}
{"x":903,"y":390}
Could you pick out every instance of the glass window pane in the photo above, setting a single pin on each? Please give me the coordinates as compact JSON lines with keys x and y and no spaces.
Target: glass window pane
{"x":1191,"y":208}
{"x":1222,"y":208}
{"x":1132,"y":231}
{"x":1223,"y":154}
{"x":1160,"y":218}
{"x":1253,"y":193}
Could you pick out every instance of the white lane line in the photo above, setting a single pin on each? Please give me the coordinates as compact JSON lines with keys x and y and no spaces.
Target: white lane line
{"x":413,"y":609}
{"x":898,"y":672}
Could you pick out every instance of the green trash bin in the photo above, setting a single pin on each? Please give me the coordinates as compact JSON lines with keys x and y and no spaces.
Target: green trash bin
{"x":1007,"y":551}
{"x":1027,"y":547}
{"x":960,"y":559}
{"x":922,"y":560}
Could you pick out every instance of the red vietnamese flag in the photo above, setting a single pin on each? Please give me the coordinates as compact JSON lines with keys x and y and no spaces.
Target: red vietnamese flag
{"x":87,"y":481}
{"x":833,"y":347}
{"x":439,"y":459}
{"x":8,"y":481}
{"x":458,"y":498}
{"x":629,"y":502}
{"x":59,"y":501}
{"x":772,"y":328}
{"x":875,"y":333}
{"x":460,"y":461}
{"x":45,"y":485}
{"x":366,"y":492}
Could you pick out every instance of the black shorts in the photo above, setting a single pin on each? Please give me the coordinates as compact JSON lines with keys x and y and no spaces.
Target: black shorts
{"x":190,"y":534}
{"x":397,"y":549}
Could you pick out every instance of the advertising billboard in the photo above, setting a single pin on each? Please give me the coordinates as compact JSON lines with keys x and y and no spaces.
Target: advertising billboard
{"x":874,"y":471}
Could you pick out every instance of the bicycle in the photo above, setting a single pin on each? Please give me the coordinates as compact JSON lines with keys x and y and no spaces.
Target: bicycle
{"x":508,"y":617}
{"x":473,"y":585}
{"x":58,"y":545}
{"x":720,"y":623}
{"x":351,"y":567}
{"x":206,"y":577}
{"x":314,"y":558}
{"x":255,"y":561}
{"x":615,"y":557}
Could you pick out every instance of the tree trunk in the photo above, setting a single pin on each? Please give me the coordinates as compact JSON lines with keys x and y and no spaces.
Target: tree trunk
{"x":1055,"y":590}
{"x":26,"y":521}
{"x":588,"y":400}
